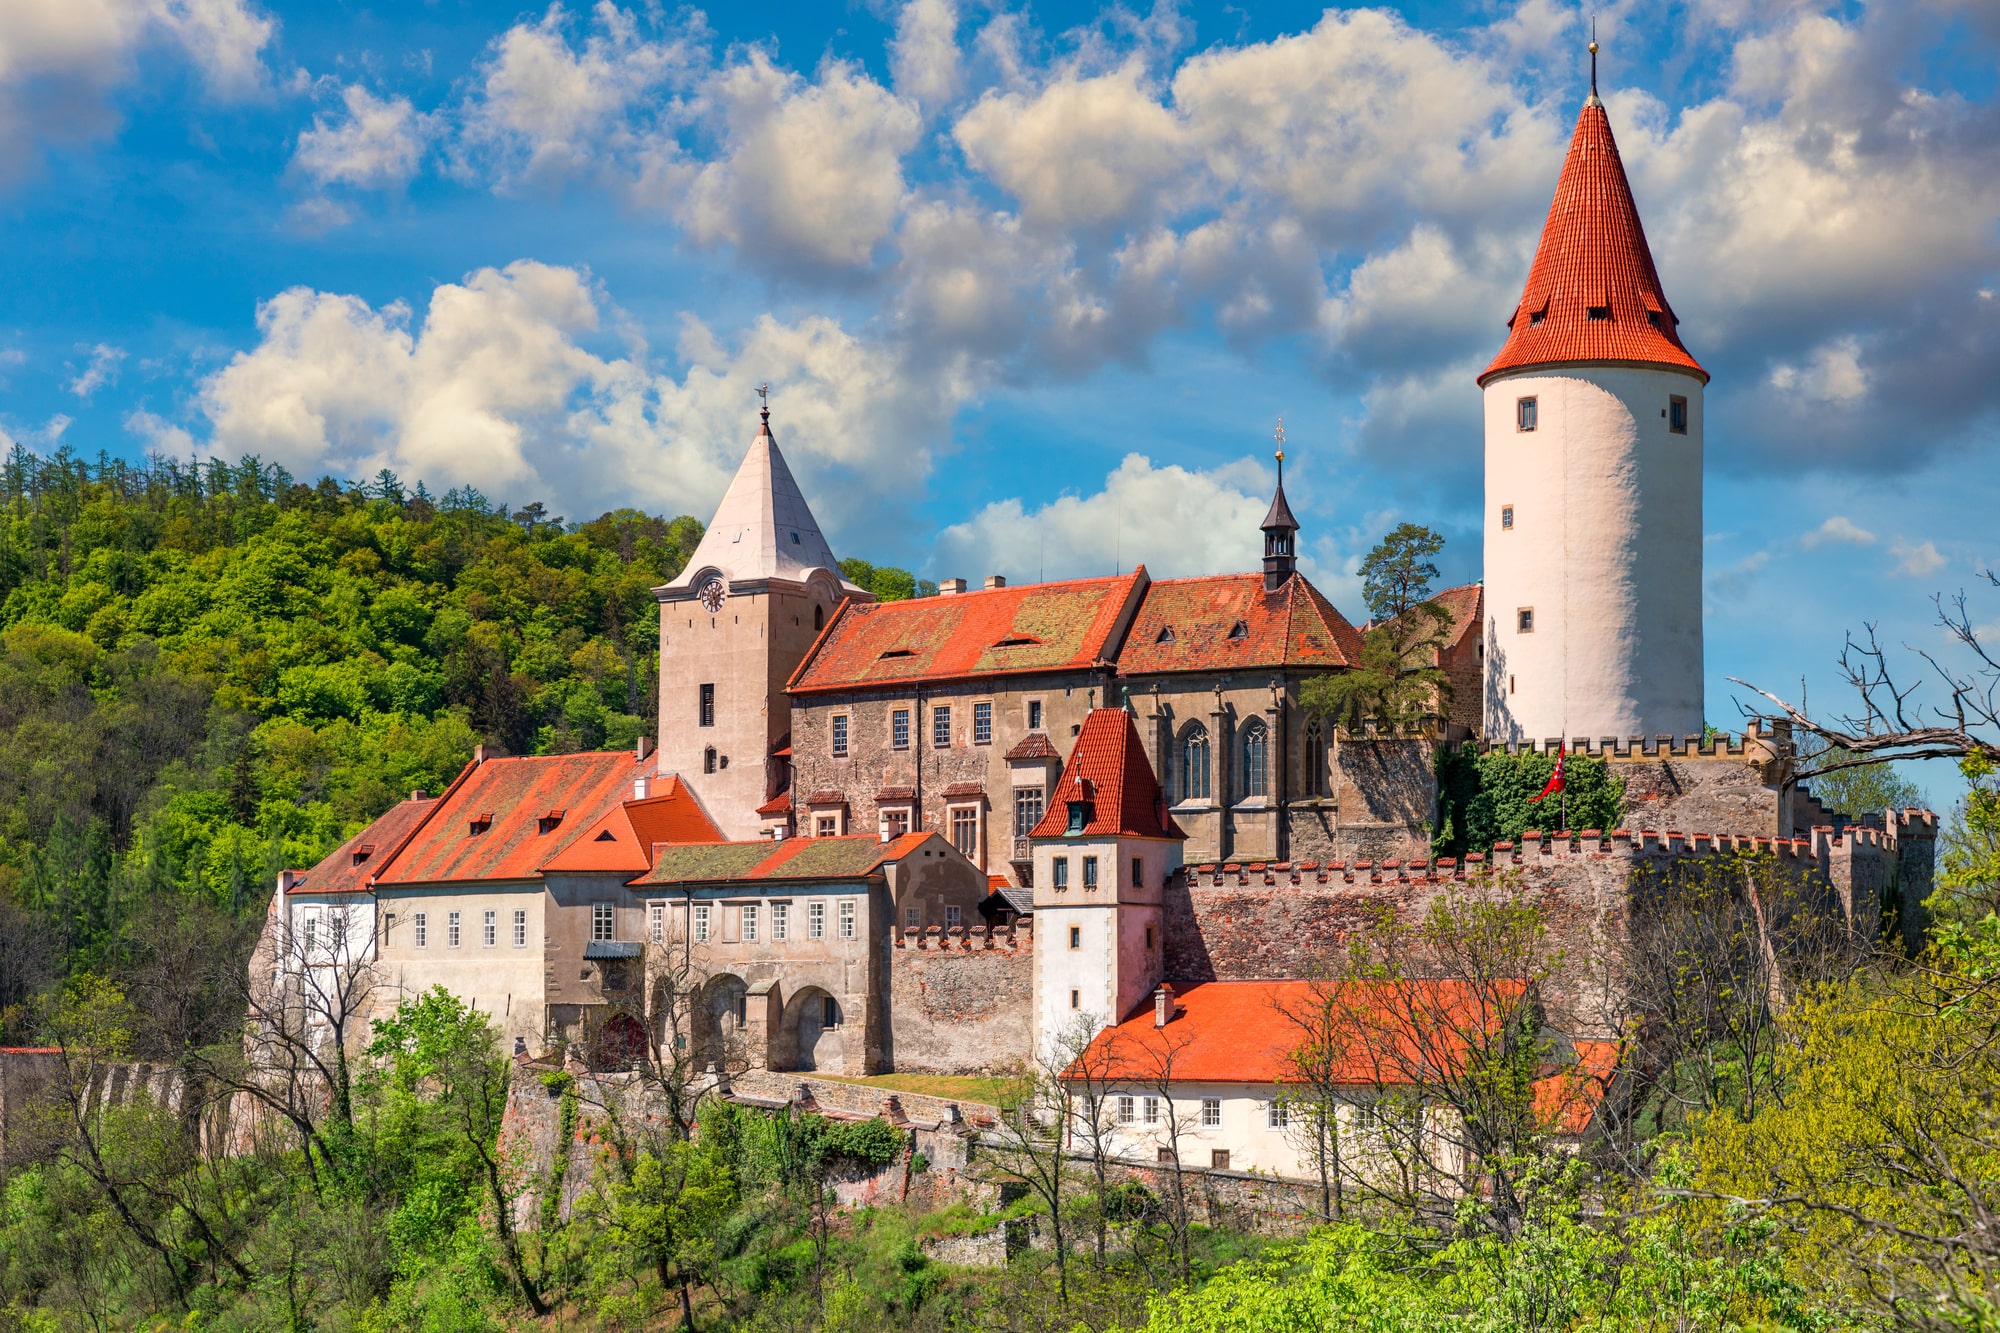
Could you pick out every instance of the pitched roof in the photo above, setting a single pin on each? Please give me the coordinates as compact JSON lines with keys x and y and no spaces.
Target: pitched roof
{"x":1246,"y":1031}
{"x":517,"y":795}
{"x":1034,"y":745}
{"x":1593,"y":254}
{"x":763,"y":528}
{"x":1192,"y":625}
{"x":992,"y":632}
{"x":1279,"y":515}
{"x":855,"y":856}
{"x":624,"y":837}
{"x":1567,"y":1101}
{"x":1108,"y":768}
{"x":339,"y":872}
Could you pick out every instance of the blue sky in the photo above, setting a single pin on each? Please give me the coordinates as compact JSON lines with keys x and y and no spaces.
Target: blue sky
{"x":1030,"y":283}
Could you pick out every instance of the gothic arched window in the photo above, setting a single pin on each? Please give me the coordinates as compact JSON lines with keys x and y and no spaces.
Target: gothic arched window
{"x":1316,"y":773}
{"x":1256,"y":758}
{"x":1194,"y":763}
{"x":819,"y":617}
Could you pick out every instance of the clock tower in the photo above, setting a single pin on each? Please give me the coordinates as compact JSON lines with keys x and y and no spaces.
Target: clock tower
{"x":733,"y":627}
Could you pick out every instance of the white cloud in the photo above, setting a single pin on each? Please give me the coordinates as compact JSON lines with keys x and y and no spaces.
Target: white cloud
{"x":1832,"y":374}
{"x":1839,"y":528}
{"x":102,"y":370}
{"x":1918,"y":559}
{"x":161,"y":436}
{"x":923,"y":58}
{"x":1174,"y":520}
{"x":61,"y":61}
{"x":497,"y":389}
{"x":379,"y":145}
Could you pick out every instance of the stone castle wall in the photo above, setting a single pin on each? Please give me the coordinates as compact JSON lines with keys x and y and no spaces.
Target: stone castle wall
{"x":960,"y":1002}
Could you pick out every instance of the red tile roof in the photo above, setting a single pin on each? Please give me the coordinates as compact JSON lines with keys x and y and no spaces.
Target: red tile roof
{"x":339,"y":872}
{"x":1246,"y":1031}
{"x":855,"y":856}
{"x":517,"y":794}
{"x":1192,"y":625}
{"x":781,"y":804}
{"x":624,"y":837}
{"x":1466,"y":604}
{"x":994,"y":632}
{"x":1567,"y":1102}
{"x":1034,"y":745}
{"x":1108,"y":768}
{"x":1593,"y":254}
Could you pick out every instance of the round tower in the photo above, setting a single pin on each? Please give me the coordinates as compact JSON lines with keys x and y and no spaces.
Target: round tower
{"x":1593,"y":478}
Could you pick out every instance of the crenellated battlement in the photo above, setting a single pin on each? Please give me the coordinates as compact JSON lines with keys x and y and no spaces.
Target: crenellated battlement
{"x":1754,"y":744}
{"x":1018,"y":938}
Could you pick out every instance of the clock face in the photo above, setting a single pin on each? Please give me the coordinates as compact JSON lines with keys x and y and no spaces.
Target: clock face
{"x":711,"y":595}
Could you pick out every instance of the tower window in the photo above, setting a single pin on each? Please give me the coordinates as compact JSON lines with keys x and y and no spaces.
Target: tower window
{"x":705,"y":710}
{"x":1076,"y":937}
{"x":1524,"y":620}
{"x":840,"y":737}
{"x":1076,"y":1002}
{"x":1139,"y":882}
{"x":708,"y":760}
{"x":1059,"y":877}
{"x":1506,"y":518}
{"x":1524,"y":414}
{"x":819,"y":617}
{"x":1597,"y":313}
{"x":1535,"y":319}
{"x":1677,"y":415}
{"x":1510,"y":684}
{"x":1034,"y":715}
{"x":1089,"y":872}
{"x":1653,"y":318}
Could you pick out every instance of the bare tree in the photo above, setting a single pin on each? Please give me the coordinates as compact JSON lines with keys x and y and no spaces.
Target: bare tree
{"x":1090,"y":1074}
{"x":1319,"y":1079}
{"x":1890,"y":720}
{"x":1153,"y":1057}
{"x":676,"y":1064}
{"x":1032,"y":1141}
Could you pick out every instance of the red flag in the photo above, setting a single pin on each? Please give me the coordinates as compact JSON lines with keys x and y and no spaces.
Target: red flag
{"x":1556,"y":778}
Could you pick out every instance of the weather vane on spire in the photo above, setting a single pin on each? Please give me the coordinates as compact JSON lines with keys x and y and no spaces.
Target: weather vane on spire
{"x":1593,"y":55}
{"x":764,"y":395}
{"x":1279,"y":436}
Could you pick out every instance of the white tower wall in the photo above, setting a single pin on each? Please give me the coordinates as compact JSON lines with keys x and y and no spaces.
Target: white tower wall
{"x":1605,"y":547}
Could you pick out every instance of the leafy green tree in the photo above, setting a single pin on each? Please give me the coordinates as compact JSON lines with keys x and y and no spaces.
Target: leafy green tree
{"x":669,"y":1212}
{"x":1396,"y":575}
{"x":1399,"y":682}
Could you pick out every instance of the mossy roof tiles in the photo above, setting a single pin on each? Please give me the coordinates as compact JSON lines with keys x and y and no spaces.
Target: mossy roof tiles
{"x":1192,"y":625}
{"x":337,"y":872}
{"x":856,"y":856}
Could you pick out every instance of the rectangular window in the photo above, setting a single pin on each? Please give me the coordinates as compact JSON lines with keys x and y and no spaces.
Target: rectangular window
{"x":312,"y":932}
{"x":1027,"y":810}
{"x":601,"y":921}
{"x":982,"y":724}
{"x":521,"y":928}
{"x":656,"y":922}
{"x":829,"y":1012}
{"x":1211,"y":1112}
{"x":1151,"y":1110}
{"x":816,"y":921}
{"x":451,"y":930}
{"x":840,"y":737}
{"x":1126,"y":1109}
{"x":705,"y":710}
{"x":1677,"y":415}
{"x":489,"y":928}
{"x":895,"y":823}
{"x":1034,"y":715}
{"x":421,"y":924}
{"x":1076,"y":937}
{"x":899,"y":729}
{"x":1149,"y":938}
{"x":941,"y":726}
{"x":965,"y":830}
{"x":1506,"y":518}
{"x":1138,"y":873}
{"x":1059,"y":874}
{"x":780,"y":920}
{"x":1076,"y":999}
{"x":749,"y":923}
{"x":1524,"y":414}
{"x":1524,"y":620}
{"x":913,"y":916}
{"x":826,"y":826}
{"x":701,"y":923}
{"x":1089,"y":872}
{"x":1597,"y":314}
{"x":1277,"y":1115}
{"x":847,"y":918}
{"x":1218,"y":1159}
{"x":951,"y":917}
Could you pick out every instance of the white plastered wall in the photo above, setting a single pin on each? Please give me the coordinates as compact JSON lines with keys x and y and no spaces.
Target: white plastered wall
{"x":1605,"y":547}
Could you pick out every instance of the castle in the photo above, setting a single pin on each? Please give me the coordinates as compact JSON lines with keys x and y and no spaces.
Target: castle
{"x":925,"y":835}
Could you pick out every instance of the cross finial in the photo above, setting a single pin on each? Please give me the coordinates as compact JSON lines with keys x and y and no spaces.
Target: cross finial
{"x":764,"y":394}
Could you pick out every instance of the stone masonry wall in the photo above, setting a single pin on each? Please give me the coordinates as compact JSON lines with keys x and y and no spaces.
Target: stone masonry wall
{"x":961,"y":1002}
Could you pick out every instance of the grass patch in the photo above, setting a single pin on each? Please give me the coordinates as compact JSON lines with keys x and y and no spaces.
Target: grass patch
{"x":986,"y":1090}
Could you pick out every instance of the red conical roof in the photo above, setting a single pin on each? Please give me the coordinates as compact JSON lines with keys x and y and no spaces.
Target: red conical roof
{"x":1593,"y":257}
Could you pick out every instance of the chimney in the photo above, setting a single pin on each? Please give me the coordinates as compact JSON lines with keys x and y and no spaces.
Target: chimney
{"x":287,"y":878}
{"x":419,"y":794}
{"x":479,"y":754}
{"x":996,"y":581}
{"x":950,"y":587}
{"x":644,"y":748}
{"x":1163,"y":1005}
{"x":642,"y":787}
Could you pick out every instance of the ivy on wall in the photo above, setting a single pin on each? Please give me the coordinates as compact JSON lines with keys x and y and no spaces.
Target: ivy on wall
{"x":1488,"y":798}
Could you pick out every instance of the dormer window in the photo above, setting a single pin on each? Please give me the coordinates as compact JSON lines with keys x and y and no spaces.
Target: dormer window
{"x":363,"y":853}
{"x":1535,"y":319}
{"x":1017,"y":641}
{"x":1597,"y":313}
{"x":480,"y":823}
{"x":1239,"y":630}
{"x":1653,"y":318}
{"x":606,"y":836}
{"x":1166,"y":634}
{"x":895,"y":653}
{"x":548,"y":822}
{"x":1079,"y":817}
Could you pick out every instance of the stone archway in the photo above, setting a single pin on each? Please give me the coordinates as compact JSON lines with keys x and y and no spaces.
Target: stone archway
{"x":720,"y":1013}
{"x":816,"y":1031}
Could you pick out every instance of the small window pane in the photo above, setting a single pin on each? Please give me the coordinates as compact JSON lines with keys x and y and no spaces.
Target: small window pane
{"x":601,"y":921}
{"x":965,"y":830}
{"x":1034,"y":715}
{"x":899,"y":729}
{"x":1027,"y":810}
{"x":521,"y":927}
{"x":780,"y":920}
{"x":816,"y":921}
{"x":706,"y":708}
{"x":847,"y":918}
{"x":951,"y":916}
{"x":1506,"y":518}
{"x":1089,"y":872}
{"x":701,"y":923}
{"x":749,"y":922}
{"x":1525,"y":620}
{"x":1059,"y":878}
{"x":1211,"y":1112}
{"x":1677,"y":415}
{"x":1524,"y":414}
{"x":840,"y":738}
{"x":451,"y":930}
{"x":941,"y":727}
{"x":422,"y":923}
{"x":489,"y":929}
{"x":656,"y":922}
{"x":982,"y":724}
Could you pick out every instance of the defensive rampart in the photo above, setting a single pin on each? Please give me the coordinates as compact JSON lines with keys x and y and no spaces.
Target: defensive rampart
{"x":959,"y":1000}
